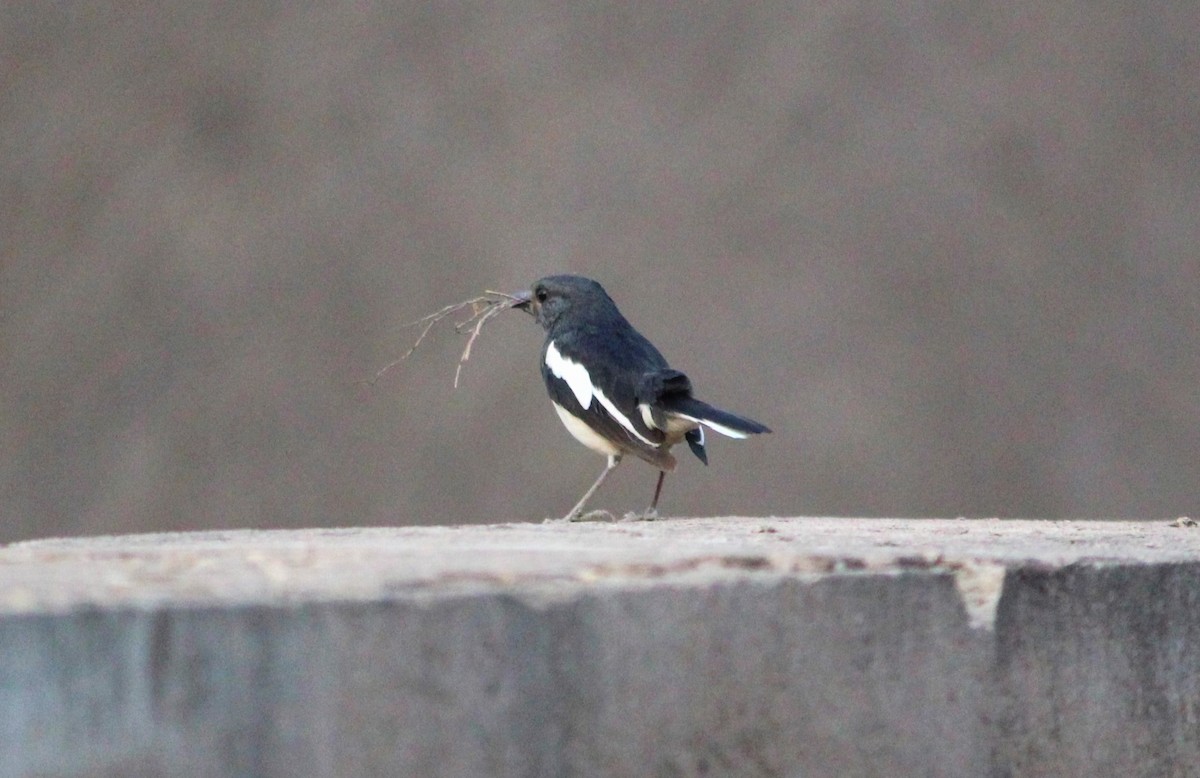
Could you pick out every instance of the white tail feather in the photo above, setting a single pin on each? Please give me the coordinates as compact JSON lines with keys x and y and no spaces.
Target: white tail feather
{"x":712,"y":425}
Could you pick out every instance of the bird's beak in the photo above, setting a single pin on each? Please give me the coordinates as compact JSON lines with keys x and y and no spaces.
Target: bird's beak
{"x":522,"y":300}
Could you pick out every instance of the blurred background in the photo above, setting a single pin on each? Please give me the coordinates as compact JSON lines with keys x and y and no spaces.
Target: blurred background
{"x":947,"y":250}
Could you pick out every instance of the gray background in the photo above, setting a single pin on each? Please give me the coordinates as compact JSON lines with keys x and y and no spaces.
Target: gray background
{"x":946,"y":249}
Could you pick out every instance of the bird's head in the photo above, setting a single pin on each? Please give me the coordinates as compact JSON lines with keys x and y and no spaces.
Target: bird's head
{"x":553,"y":296}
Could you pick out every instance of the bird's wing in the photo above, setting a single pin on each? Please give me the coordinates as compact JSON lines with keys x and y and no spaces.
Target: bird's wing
{"x":600,"y":390}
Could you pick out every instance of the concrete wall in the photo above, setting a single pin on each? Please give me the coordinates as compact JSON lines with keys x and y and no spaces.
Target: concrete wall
{"x":740,"y":647}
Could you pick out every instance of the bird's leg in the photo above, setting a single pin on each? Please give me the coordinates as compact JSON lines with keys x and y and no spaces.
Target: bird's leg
{"x":653,"y":509}
{"x":576,"y":512}
{"x":651,"y":513}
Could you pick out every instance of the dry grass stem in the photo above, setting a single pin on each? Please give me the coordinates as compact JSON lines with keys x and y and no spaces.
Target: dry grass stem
{"x":483,"y":308}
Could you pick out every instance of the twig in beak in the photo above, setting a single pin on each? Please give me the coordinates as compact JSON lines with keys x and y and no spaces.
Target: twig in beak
{"x":483,"y":308}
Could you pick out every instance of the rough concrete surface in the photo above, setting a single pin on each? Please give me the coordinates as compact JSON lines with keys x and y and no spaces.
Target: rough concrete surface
{"x":732,"y":646}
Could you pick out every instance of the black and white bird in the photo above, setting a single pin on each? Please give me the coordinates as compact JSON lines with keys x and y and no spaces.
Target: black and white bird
{"x":612,"y":388}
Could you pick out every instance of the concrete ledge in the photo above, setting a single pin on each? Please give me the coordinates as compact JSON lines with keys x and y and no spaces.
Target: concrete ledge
{"x":756,"y":647}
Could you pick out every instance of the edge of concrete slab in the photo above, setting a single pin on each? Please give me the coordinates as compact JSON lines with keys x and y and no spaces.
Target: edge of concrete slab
{"x":762,"y":646}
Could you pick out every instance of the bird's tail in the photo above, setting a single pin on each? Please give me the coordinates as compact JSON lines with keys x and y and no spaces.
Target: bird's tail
{"x":715,"y":419}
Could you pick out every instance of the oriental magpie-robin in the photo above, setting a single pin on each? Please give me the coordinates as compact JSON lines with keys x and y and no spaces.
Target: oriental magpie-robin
{"x":612,"y":388}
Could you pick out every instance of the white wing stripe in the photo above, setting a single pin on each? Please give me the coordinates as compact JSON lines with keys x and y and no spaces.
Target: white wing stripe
{"x":620,"y":417}
{"x":576,"y":376}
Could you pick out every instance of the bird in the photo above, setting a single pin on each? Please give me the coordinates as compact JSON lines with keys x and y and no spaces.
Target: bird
{"x":612,"y":389}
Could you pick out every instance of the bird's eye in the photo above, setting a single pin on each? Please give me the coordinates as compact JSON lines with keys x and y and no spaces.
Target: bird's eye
{"x":541,"y":294}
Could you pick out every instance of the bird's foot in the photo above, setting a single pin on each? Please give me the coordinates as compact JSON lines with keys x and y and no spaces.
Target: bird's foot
{"x":597,"y":515}
{"x":650,"y":514}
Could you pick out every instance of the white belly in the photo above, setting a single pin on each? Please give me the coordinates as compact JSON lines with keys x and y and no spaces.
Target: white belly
{"x":585,"y":434}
